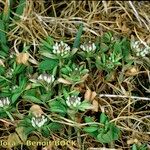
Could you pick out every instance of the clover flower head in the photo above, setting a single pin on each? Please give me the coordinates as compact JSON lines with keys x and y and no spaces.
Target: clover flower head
{"x":141,"y":48}
{"x":61,"y":48}
{"x":73,"y":101}
{"x":4,"y":102}
{"x":38,"y":121}
{"x":47,"y":78}
{"x":14,"y":87}
{"x":9,"y":73}
{"x":88,"y":47}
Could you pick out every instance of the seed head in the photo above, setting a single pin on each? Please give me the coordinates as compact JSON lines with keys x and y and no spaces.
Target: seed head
{"x":61,"y":48}
{"x":88,"y":47}
{"x":141,"y":48}
{"x":47,"y":78}
{"x":38,"y":121}
{"x":73,"y":101}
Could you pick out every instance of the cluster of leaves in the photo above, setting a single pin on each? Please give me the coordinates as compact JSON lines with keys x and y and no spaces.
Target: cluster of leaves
{"x":19,"y":81}
{"x":141,"y":147}
{"x":5,"y":21}
{"x":113,"y":52}
{"x":46,"y":130}
{"x":109,"y":55}
{"x":60,"y":106}
{"x":106,"y":132}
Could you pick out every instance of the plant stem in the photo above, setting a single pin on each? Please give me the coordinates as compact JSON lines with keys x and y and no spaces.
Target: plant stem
{"x":9,"y":115}
{"x":60,"y":65}
{"x":78,"y":137}
{"x":73,"y":117}
{"x":89,"y":63}
{"x":5,"y":79}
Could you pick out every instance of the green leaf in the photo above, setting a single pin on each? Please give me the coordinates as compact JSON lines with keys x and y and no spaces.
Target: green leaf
{"x":65,"y":93}
{"x":104,"y":47}
{"x":126,"y":49}
{"x":2,"y":70}
{"x":103,"y":58}
{"x":54,"y":126}
{"x":88,"y":119}
{"x":50,"y":41}
{"x":47,"y":44}
{"x":103,"y":118}
{"x":104,"y":138}
{"x":57,"y":106}
{"x":3,"y":39}
{"x":18,"y":69}
{"x":134,"y":147}
{"x":90,"y":129}
{"x":3,"y":113}
{"x":5,"y":48}
{"x":6,"y":11}
{"x":2,"y":53}
{"x":26,"y":122}
{"x":45,"y":131}
{"x":48,"y":64}
{"x":110,"y":135}
{"x":20,"y":9}
{"x":29,"y":129}
{"x":2,"y":94}
{"x":48,"y":55}
{"x":139,"y":147}
{"x":117,"y":48}
{"x":97,"y":43}
{"x":143,"y":147}
{"x":15,"y":97}
{"x":66,"y":70}
{"x":32,"y":98}
{"x":106,"y":38}
{"x":84,"y":105}
{"x":78,"y":37}
{"x":22,"y":81}
{"x":58,"y":109}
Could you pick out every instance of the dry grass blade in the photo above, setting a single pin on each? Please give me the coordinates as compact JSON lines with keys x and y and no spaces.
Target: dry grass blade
{"x":35,"y":24}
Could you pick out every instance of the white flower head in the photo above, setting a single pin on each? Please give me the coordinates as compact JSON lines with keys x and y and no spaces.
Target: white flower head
{"x":38,"y":121}
{"x":9,"y":73}
{"x":73,"y":101}
{"x":61,"y":48}
{"x":14,"y":87}
{"x":4,"y":102}
{"x":88,"y":47}
{"x":141,"y":48}
{"x":46,"y":78}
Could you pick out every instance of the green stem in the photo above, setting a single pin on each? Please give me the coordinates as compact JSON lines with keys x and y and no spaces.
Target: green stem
{"x":5,"y":79}
{"x":60,"y":65}
{"x":69,"y":132}
{"x":73,"y":117}
{"x":79,"y":137}
{"x":9,"y":115}
{"x":89,"y":63}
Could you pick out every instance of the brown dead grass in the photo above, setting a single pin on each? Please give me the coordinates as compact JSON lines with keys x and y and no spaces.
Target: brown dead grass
{"x":60,"y":20}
